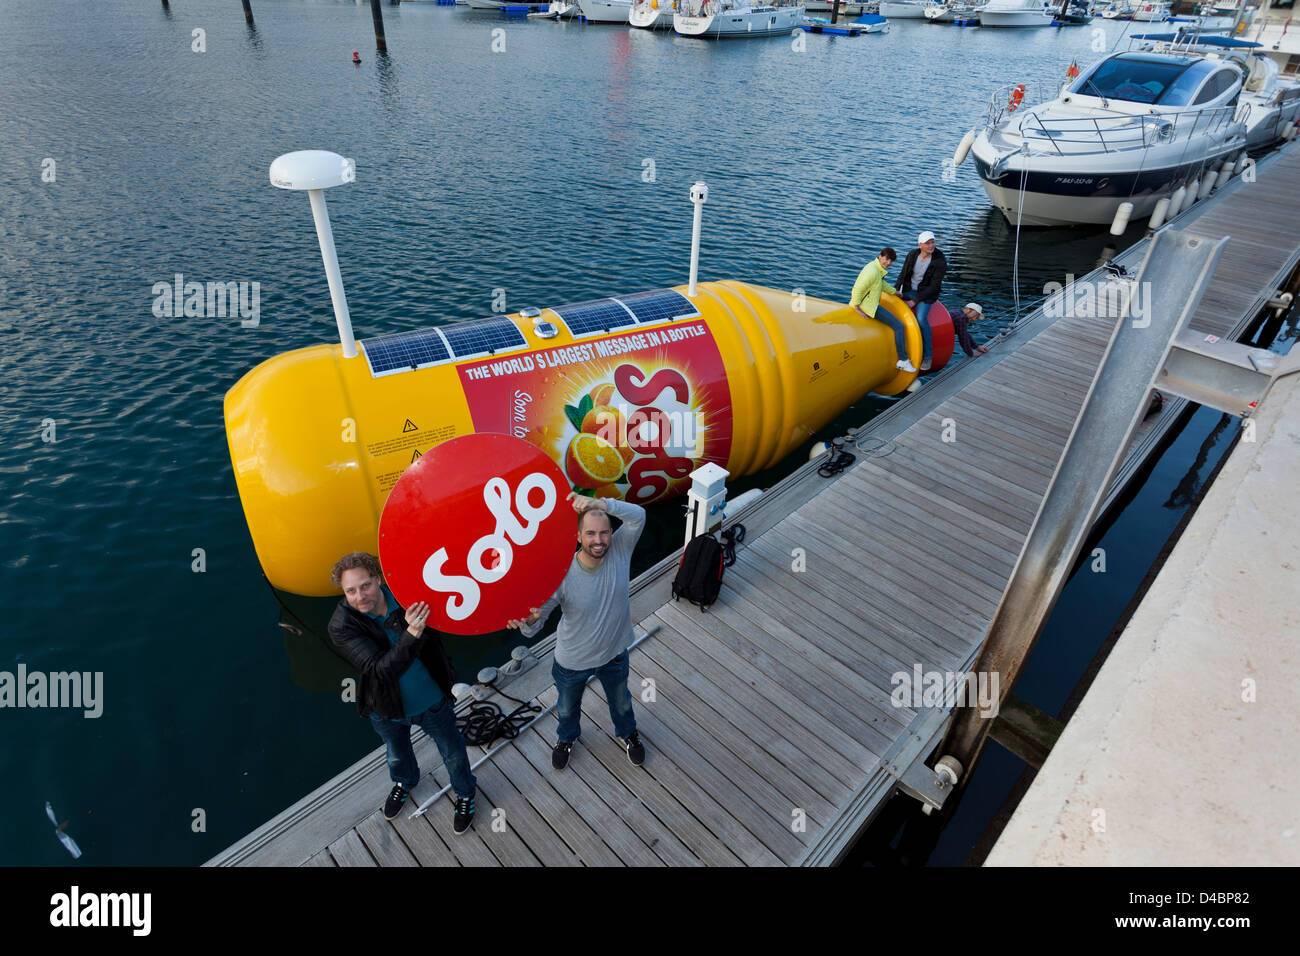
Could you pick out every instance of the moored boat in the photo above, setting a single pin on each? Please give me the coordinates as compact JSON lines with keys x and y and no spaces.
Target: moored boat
{"x":950,"y":11}
{"x":1133,"y":127}
{"x":652,"y":14}
{"x":735,"y":18}
{"x":1156,"y":11}
{"x":903,"y":9}
{"x":605,"y":11}
{"x":1015,"y":13}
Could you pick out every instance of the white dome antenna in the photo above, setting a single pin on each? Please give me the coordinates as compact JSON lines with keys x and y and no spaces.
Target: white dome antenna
{"x":316,"y":170}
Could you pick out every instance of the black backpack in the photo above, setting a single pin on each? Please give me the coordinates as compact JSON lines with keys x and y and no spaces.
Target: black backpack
{"x":699,"y":574}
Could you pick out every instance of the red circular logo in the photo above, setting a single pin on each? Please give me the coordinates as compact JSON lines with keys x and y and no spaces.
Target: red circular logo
{"x":479,"y":527}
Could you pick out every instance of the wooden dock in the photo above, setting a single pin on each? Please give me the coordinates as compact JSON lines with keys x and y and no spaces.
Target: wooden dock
{"x":771,"y":738}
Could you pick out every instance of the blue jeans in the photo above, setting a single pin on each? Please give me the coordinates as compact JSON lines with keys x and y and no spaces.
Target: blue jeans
{"x":569,"y":685}
{"x":921,"y":310}
{"x":440,"y":724}
{"x":900,"y":330}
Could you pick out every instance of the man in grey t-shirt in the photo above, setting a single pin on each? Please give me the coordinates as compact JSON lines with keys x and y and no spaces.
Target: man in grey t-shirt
{"x":596,"y":627}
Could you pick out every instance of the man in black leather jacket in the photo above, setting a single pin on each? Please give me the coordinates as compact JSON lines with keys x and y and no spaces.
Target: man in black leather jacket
{"x":919,"y":284}
{"x":405,"y":679}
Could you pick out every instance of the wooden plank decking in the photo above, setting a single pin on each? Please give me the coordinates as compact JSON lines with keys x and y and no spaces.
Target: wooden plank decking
{"x":773,"y":710}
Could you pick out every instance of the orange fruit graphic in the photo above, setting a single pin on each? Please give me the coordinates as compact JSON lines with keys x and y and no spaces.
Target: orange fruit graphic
{"x":602,"y":394}
{"x":591,"y":462}
{"x":605,"y":422}
{"x":607,"y":491}
{"x":627,"y":453}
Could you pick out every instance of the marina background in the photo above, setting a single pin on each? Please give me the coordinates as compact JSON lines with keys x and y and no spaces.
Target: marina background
{"x":476,"y":171}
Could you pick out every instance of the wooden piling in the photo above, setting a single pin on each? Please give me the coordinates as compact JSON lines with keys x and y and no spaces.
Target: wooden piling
{"x":248,"y":12}
{"x":381,"y":43}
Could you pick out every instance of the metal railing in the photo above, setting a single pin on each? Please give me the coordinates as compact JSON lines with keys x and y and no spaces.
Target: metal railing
{"x":1119,"y":131}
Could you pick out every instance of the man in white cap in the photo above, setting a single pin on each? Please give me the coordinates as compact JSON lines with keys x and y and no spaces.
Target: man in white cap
{"x":919,"y":284}
{"x":960,"y":317}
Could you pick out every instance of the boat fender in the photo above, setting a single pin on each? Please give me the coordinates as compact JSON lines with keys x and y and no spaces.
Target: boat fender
{"x":1017,"y":97}
{"x":1225,"y":173}
{"x":1120,"y":222}
{"x":1193,"y":193}
{"x":1158,"y":214}
{"x":963,"y":148}
{"x":1208,"y":185}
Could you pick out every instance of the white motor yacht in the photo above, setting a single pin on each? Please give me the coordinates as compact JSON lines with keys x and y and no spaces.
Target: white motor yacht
{"x":1133,"y":127}
{"x":736,"y":18}
{"x":652,"y":14}
{"x":605,"y":11}
{"x":1121,"y":10}
{"x":1015,"y":13}
{"x":903,"y":9}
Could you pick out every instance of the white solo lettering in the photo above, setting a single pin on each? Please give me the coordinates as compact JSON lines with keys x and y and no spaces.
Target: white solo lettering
{"x":496,"y":495}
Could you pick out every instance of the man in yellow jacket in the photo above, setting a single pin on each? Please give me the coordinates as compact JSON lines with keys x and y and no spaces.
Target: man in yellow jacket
{"x":866,"y":299}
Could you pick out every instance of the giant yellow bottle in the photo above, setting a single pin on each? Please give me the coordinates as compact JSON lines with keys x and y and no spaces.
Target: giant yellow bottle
{"x":627,"y":394}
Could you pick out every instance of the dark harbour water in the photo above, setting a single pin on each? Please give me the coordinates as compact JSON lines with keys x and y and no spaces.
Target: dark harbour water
{"x":476,"y":170}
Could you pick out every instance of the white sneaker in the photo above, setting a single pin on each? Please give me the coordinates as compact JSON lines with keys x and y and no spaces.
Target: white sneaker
{"x":925,"y":365}
{"x":906,"y":365}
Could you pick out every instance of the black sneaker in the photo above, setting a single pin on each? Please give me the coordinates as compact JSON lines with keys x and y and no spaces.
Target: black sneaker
{"x":560,"y":755}
{"x":464,"y":814}
{"x":396,"y":799}
{"x":635,"y":749}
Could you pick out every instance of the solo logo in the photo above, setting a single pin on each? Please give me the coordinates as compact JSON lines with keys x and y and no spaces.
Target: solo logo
{"x":650,"y":431}
{"x":496,"y":495}
{"x":475,"y":528}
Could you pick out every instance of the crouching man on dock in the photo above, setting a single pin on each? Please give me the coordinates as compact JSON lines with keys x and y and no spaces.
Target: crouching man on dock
{"x":596,"y":627}
{"x":406,"y":680}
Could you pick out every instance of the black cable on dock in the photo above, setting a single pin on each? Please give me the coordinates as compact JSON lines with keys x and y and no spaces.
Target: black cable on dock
{"x":485,"y":722}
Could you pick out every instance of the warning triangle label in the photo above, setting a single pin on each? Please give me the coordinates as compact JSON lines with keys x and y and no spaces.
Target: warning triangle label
{"x":414,"y":456}
{"x":410,"y":426}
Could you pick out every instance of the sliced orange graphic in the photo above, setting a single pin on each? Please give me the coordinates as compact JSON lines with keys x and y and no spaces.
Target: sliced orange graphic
{"x":591,"y":462}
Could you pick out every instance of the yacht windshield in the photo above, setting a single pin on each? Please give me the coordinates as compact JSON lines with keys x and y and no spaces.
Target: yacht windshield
{"x":1136,"y":79}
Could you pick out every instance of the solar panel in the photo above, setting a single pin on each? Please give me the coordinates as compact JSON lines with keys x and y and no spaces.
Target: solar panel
{"x":664,"y":305}
{"x":599,"y":315}
{"x":403,"y":351}
{"x":483,"y":337}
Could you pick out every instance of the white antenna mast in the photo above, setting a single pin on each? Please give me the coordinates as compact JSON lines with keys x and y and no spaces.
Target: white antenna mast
{"x":316,"y":170}
{"x":699,"y":193}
